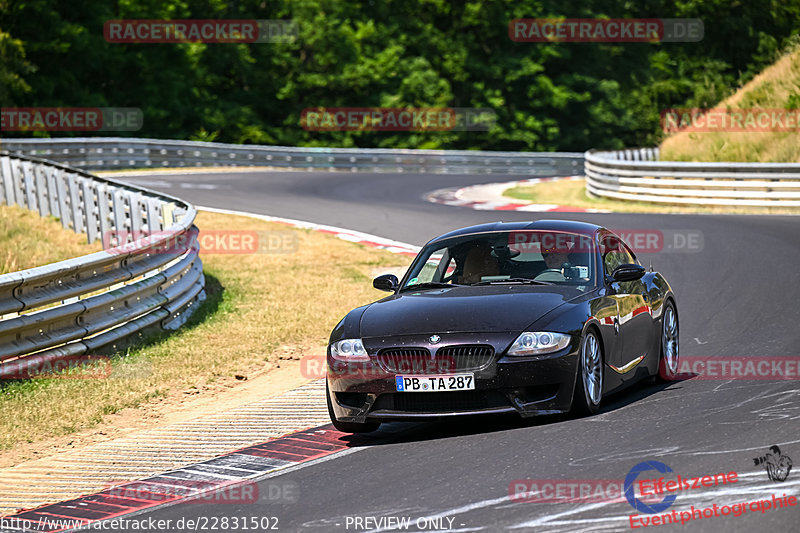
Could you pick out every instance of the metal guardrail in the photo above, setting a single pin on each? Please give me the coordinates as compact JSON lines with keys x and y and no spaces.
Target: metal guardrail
{"x":625,"y":174}
{"x":79,"y":305}
{"x":639,"y":175}
{"x":120,"y":153}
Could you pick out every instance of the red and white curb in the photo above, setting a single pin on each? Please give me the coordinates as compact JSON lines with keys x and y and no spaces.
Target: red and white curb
{"x":195,"y":483}
{"x":366,"y":239}
{"x":489,"y":197}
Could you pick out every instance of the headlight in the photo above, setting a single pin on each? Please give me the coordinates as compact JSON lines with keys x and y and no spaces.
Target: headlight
{"x":350,"y":350}
{"x":538,"y":342}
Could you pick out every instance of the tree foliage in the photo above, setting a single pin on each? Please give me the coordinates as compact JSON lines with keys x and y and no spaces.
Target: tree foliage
{"x":393,"y":53}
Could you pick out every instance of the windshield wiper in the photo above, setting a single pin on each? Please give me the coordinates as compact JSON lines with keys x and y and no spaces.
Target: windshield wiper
{"x":431,"y":285}
{"x":514,"y":280}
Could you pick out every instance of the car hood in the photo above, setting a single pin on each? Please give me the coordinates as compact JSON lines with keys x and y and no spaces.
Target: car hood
{"x":464,"y":309}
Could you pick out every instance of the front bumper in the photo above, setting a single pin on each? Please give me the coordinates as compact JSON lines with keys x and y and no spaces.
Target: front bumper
{"x":529,"y":386}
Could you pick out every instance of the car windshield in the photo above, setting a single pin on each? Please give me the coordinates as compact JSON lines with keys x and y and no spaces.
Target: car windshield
{"x":505,"y":257}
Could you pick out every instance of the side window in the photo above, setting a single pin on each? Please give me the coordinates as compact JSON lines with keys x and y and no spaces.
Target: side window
{"x":449,"y":270}
{"x":435,"y":268}
{"x":614,"y":253}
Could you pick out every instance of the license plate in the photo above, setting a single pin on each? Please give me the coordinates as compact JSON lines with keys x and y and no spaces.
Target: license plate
{"x":435,"y":383}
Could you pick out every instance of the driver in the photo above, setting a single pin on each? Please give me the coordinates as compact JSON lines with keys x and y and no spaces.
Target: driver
{"x":554,"y":257}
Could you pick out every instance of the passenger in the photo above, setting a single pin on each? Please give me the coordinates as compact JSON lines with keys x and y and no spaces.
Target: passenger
{"x":479,"y":262}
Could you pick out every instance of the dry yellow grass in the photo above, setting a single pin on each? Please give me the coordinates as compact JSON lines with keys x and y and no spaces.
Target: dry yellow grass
{"x":256,"y":304}
{"x":777,"y":87}
{"x":28,"y":240}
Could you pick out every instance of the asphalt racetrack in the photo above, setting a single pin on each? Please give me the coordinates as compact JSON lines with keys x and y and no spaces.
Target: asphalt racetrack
{"x":737,"y":292}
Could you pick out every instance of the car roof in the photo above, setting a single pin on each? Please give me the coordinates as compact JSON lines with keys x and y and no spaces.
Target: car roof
{"x":571,"y":226}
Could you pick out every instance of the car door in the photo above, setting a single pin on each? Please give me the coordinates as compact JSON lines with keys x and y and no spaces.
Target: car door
{"x":634,"y":314}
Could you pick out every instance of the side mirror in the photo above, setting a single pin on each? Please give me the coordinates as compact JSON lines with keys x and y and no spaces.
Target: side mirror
{"x":628,"y":272}
{"x":386,"y":282}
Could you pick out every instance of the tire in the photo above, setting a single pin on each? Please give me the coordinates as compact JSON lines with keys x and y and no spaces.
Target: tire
{"x":348,"y":427}
{"x":589,"y":387}
{"x":668,"y":357}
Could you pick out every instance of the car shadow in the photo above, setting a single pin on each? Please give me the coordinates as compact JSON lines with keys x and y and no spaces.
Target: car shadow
{"x":460,"y":426}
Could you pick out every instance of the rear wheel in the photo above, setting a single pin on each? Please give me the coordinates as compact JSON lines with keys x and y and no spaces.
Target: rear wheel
{"x":348,"y":427}
{"x":668,"y":362}
{"x":589,"y":386}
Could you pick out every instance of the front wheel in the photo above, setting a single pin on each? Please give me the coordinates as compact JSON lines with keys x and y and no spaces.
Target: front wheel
{"x":589,"y":388}
{"x":348,"y":427}
{"x":668,"y":362}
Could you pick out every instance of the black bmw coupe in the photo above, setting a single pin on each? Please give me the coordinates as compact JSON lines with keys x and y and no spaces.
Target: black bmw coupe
{"x":529,"y":317}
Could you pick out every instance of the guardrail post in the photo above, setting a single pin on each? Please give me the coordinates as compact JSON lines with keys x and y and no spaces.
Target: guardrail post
{"x":8,"y":180}
{"x":90,"y":211}
{"x":63,"y":209}
{"x":167,"y":215}
{"x":52,"y":190}
{"x":118,"y":212}
{"x":74,"y":203}
{"x":105,"y":214}
{"x":17,"y":177}
{"x":153,"y":217}
{"x":30,"y":196}
{"x":136,"y":214}
{"x":41,"y":185}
